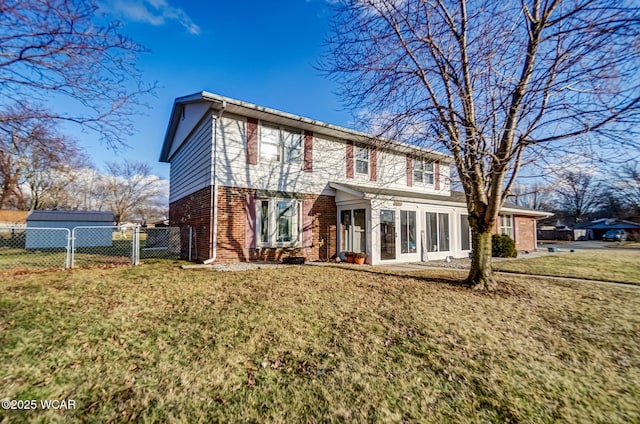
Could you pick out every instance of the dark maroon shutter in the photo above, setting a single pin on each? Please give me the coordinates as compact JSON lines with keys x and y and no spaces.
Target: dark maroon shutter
{"x":308,"y":152}
{"x":250,"y":227}
{"x":349,"y":159}
{"x":409,"y":171}
{"x":307,"y":223}
{"x":436,"y":174}
{"x":373,"y":159}
{"x":252,"y":141}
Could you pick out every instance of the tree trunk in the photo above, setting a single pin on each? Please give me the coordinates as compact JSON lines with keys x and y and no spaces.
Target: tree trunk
{"x":481,"y":274}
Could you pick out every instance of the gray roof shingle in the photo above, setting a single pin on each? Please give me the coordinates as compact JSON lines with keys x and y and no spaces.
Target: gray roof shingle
{"x":75,"y":216}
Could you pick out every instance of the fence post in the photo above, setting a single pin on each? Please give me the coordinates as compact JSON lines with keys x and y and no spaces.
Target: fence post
{"x":67,"y":258}
{"x":136,"y":246}
{"x":73,"y":247}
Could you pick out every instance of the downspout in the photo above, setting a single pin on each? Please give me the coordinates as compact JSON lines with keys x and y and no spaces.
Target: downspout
{"x":213,"y":209}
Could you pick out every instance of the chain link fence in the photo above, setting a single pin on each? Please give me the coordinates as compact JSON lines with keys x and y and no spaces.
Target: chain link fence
{"x":86,"y":246}
{"x":26,"y":248}
{"x":94,"y":246}
{"x":163,"y":243}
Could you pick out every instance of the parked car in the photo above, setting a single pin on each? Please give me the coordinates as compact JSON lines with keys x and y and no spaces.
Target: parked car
{"x":615,"y":235}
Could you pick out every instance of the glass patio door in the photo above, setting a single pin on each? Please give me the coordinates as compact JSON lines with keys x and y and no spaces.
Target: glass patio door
{"x":387,"y":235}
{"x":437,"y":232}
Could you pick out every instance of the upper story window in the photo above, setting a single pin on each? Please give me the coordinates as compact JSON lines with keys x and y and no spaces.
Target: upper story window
{"x":362,"y":160}
{"x":422,"y":171}
{"x":279,"y":144}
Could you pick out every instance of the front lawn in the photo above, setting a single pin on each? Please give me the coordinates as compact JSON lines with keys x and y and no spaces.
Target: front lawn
{"x":316,"y":344}
{"x":606,"y":265}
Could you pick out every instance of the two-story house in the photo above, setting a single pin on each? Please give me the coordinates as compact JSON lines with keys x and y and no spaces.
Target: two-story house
{"x":249,"y":181}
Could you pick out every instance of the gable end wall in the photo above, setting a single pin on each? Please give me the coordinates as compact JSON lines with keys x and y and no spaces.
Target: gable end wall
{"x":191,"y":167}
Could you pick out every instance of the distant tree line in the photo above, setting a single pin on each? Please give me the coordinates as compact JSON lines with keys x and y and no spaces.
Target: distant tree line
{"x":42,"y":169}
{"x":69,"y":62}
{"x":581,"y":195}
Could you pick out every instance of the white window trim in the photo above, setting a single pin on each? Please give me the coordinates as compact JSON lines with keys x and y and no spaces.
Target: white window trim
{"x":357,"y":147}
{"x":461,"y":232}
{"x":509,"y":228}
{"x":438,"y":225}
{"x":272,"y":221}
{"x":282,"y":148}
{"x":424,"y":172}
{"x":415,"y":231}
{"x":352,"y":231}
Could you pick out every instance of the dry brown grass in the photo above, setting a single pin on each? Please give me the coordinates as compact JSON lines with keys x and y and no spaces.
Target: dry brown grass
{"x":317,"y":344}
{"x":604,"y":265}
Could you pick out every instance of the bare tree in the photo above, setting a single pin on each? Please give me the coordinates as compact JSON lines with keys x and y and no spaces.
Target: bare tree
{"x":627,"y":186}
{"x":533,"y":196}
{"x":578,"y":194}
{"x":494,"y":83}
{"x":84,"y":189}
{"x":67,"y":49}
{"x":130,"y":187}
{"x":33,"y":154}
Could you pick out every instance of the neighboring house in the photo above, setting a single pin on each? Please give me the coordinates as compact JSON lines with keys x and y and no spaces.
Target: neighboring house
{"x":45,"y":228}
{"x":596,"y":229}
{"x":251,"y":181}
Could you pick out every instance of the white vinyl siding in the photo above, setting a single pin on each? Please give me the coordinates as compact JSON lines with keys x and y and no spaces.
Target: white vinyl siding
{"x":191,"y":166}
{"x":328,"y":165}
{"x":190,"y":116}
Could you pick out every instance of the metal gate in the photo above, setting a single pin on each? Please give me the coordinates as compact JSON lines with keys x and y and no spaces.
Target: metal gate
{"x":84,"y":246}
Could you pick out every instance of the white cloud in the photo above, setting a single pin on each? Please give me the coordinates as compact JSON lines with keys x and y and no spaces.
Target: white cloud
{"x":154,"y":12}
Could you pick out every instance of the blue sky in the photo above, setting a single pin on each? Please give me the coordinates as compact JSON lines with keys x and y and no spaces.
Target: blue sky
{"x":258,"y":51}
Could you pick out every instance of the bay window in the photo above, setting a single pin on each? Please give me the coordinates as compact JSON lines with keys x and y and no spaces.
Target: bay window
{"x":278,"y":222}
{"x":284,"y":214}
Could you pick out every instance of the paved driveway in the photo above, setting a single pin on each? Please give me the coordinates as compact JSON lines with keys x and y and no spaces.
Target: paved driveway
{"x":578,"y":245}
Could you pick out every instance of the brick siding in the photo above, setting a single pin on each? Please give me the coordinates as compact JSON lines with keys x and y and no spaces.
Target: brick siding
{"x":232,"y":220}
{"x":525,"y":228}
{"x":193,"y":211}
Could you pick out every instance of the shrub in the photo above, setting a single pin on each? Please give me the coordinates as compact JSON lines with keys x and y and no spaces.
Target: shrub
{"x":502,"y":246}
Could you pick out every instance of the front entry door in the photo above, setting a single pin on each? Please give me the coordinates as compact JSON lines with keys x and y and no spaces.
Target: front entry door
{"x":387,"y":235}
